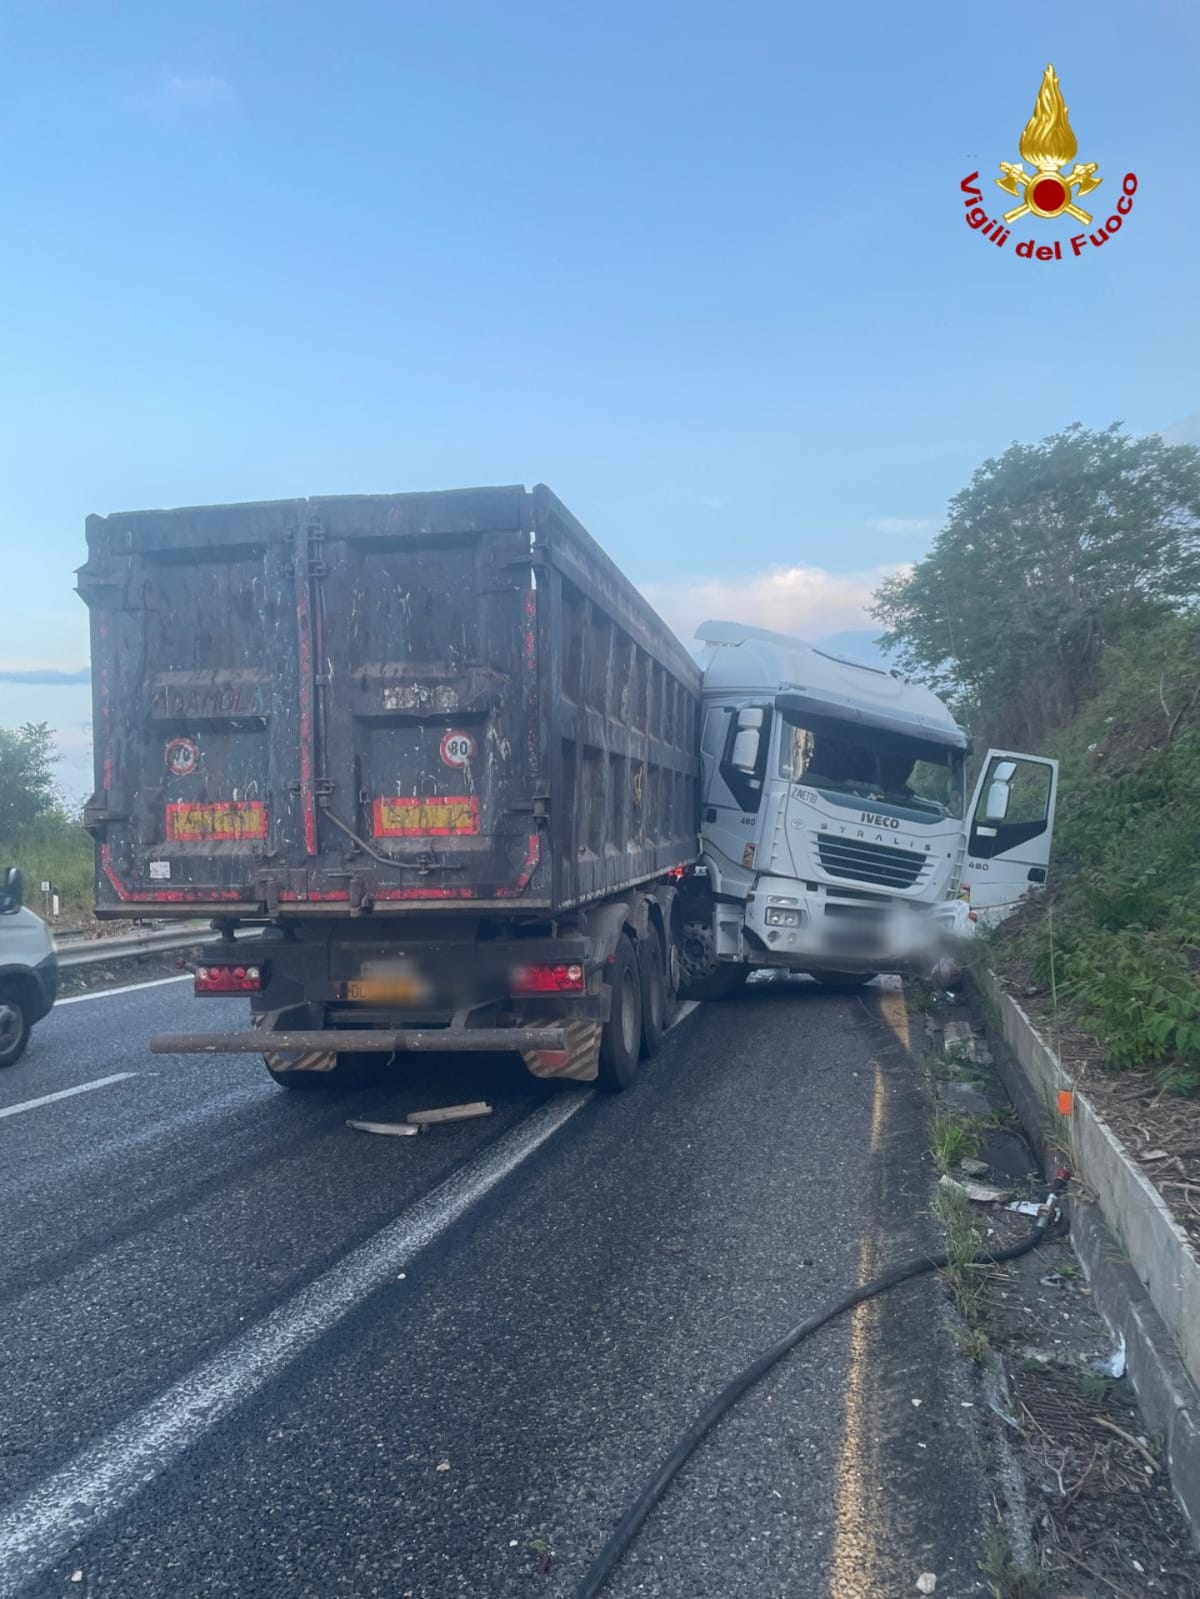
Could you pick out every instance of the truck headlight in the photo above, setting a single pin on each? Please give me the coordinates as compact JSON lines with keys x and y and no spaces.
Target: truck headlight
{"x":776,"y":917}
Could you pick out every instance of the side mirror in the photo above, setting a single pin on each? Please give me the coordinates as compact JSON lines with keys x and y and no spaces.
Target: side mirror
{"x":12,"y":894}
{"x":996,"y":808}
{"x":745,"y":750}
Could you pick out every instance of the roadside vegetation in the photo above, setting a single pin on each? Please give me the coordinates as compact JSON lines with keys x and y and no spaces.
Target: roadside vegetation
{"x":36,"y":832}
{"x":1058,"y":612}
{"x":1117,"y":940}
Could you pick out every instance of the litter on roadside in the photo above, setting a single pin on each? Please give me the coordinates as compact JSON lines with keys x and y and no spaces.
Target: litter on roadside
{"x":979,"y":1192}
{"x":973,"y":1168}
{"x":386,"y":1129}
{"x":1025,"y":1207}
{"x":450,"y":1113}
{"x":1112,"y":1365}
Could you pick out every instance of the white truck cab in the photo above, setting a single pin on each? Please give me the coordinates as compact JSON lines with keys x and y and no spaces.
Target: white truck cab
{"x":28,"y":969}
{"x":837,"y":837}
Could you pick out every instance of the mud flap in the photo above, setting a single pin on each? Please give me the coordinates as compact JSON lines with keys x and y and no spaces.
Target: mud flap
{"x":296,"y":1060}
{"x":582,"y":1063}
{"x":311,"y":1060}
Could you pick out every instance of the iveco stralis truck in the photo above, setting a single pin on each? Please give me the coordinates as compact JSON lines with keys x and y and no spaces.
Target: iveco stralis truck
{"x":432,"y":757}
{"x":836,"y":831}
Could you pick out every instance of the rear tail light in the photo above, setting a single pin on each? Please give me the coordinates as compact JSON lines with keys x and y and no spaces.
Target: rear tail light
{"x":566,"y":978}
{"x":229,"y":979}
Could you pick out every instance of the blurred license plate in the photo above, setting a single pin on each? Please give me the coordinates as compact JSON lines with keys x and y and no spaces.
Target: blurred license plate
{"x":388,"y":983}
{"x":386,"y":990}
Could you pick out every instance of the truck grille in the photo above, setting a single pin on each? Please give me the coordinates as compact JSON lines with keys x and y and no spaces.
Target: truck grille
{"x":869,"y":863}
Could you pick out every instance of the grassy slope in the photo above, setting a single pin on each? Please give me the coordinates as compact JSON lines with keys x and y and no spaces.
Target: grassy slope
{"x":1120,"y":930}
{"x":58,"y":849}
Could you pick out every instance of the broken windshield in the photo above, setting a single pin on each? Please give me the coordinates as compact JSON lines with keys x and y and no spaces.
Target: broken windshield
{"x":883,"y":767}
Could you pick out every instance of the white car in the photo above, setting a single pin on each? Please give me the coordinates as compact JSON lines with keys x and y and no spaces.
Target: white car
{"x":28,"y":969}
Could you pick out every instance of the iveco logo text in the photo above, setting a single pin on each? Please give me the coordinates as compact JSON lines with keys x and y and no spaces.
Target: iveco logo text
{"x":878,"y":821}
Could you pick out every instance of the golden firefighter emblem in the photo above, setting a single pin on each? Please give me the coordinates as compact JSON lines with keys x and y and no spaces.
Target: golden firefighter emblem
{"x":1048,"y":143}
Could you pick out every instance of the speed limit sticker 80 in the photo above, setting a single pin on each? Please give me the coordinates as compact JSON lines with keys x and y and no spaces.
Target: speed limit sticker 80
{"x":458,"y":748}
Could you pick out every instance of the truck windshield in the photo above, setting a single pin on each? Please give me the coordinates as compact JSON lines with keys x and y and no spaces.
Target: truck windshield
{"x":841,"y":758}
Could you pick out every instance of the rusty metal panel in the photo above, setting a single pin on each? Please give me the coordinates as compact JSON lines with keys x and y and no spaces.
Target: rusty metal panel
{"x":379,"y":703}
{"x":623,"y":717}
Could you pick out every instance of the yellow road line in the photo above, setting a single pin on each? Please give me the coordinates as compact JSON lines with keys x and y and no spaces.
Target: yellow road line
{"x":853,"y":1566}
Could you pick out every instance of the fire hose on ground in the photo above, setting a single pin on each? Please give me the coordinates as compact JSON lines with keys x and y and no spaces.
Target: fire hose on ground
{"x":630,"y":1524}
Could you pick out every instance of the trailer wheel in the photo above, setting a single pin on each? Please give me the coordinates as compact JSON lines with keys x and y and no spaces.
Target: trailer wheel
{"x":656,"y":1008}
{"x":14,"y":1025}
{"x":843,"y":980}
{"x":621,"y":1039}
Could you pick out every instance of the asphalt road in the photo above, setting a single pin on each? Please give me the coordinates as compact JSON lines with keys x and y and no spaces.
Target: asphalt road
{"x":246,"y":1350}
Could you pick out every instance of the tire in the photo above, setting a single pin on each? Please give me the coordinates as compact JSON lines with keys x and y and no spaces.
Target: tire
{"x":15,"y":1025}
{"x":728,"y":979}
{"x":843,"y":980}
{"x":656,"y":1007}
{"x":621,"y":1038}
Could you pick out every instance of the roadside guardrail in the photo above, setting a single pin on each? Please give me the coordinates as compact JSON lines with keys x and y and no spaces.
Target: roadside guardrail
{"x":150,"y":941}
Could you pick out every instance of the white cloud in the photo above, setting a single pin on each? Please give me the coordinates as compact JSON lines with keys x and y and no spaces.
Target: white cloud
{"x":909,"y":527}
{"x":1185,"y":432}
{"x":807,"y":601}
{"x":43,"y":670}
{"x":175,"y":92}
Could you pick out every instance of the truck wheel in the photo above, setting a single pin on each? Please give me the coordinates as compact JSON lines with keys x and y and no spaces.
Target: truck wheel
{"x":622,"y":1036}
{"x":14,"y":1026}
{"x":656,"y":1017}
{"x":843,"y":980}
{"x":728,"y":979}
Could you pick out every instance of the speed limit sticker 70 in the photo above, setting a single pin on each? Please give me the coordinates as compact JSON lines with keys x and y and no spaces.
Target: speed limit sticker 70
{"x":458,"y":749}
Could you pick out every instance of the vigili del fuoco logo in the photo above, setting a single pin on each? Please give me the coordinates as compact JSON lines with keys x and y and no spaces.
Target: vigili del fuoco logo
{"x":1048,"y":191}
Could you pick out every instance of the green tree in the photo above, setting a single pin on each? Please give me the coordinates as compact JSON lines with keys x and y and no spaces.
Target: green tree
{"x":1053,"y":551}
{"x":27,"y":788}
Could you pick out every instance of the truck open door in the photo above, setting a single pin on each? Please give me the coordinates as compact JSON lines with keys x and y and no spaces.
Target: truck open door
{"x":1010,"y":824}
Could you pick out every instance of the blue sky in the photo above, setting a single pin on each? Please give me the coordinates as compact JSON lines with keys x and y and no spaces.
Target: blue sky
{"x":701,"y":268}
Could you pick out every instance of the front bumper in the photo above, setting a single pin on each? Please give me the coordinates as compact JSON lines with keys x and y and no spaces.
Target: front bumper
{"x":46,"y":976}
{"x":793,"y":928}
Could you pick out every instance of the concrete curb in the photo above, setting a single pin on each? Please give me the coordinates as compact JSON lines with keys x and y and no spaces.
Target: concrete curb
{"x":1142,"y":1268}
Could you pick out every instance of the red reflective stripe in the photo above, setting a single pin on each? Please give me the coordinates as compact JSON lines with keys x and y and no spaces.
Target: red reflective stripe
{"x":533,"y":853}
{"x":307,"y":794}
{"x":163,"y":896}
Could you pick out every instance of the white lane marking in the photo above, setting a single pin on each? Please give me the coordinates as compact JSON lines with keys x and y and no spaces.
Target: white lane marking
{"x":129,"y":988}
{"x":64,"y":1093}
{"x":685,"y":1010}
{"x":105,"y":1476}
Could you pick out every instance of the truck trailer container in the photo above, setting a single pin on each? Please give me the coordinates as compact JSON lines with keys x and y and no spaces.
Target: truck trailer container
{"x":435,"y":750}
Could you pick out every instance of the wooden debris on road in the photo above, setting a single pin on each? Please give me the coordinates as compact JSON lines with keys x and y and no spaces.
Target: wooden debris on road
{"x":450,"y":1113}
{"x":386,"y":1129}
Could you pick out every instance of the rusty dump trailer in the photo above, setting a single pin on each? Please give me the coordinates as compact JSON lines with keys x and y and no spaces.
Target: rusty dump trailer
{"x":434,"y":748}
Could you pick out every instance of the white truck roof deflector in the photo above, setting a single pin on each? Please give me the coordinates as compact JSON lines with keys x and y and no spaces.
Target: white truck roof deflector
{"x":752,"y":660}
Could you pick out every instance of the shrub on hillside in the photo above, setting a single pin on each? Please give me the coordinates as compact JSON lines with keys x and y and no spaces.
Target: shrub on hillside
{"x":1122,"y":943}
